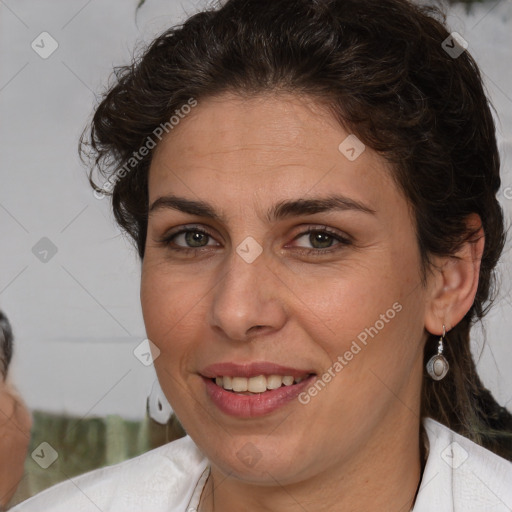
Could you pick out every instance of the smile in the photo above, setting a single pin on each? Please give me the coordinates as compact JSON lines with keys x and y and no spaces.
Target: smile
{"x":258,"y":384}
{"x":247,"y":390}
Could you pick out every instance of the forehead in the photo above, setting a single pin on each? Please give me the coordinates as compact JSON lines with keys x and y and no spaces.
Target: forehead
{"x":278,"y":144}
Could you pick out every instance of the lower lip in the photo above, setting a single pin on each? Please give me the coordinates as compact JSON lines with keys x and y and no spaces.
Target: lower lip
{"x":259,"y":404}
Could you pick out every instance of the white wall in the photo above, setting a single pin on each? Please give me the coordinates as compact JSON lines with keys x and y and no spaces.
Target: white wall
{"x":77,"y":317}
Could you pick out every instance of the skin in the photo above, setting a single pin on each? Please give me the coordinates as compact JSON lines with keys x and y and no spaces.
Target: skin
{"x":354,"y":446}
{"x":15,"y":424}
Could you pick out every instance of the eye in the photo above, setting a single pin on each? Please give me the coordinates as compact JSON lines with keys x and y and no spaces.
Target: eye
{"x":320,"y":239}
{"x":189,"y":239}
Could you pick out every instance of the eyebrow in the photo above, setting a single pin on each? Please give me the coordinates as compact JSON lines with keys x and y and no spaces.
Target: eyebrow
{"x":281,"y":210}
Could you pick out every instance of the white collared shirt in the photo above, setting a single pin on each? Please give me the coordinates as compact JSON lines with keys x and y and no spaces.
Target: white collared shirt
{"x":459,"y":476}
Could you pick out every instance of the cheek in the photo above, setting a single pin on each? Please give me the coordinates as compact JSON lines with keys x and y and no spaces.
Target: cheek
{"x":173,"y":306}
{"x":159,"y":299}
{"x":367,"y":314}
{"x":343,"y":304}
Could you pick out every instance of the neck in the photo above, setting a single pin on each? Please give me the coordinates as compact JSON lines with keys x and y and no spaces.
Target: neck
{"x":384,"y":476}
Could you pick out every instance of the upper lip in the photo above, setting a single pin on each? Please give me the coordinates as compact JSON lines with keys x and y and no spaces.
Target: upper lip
{"x":229,"y":369}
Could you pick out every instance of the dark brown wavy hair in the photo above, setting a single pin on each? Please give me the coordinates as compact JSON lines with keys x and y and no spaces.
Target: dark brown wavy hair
{"x":6,"y":339}
{"x":382,"y":68}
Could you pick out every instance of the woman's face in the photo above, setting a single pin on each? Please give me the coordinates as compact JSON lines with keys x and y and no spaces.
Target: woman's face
{"x":272,"y":250}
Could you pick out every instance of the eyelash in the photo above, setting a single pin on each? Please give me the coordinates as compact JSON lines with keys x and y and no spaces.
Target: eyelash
{"x":167,"y":241}
{"x":342,"y":241}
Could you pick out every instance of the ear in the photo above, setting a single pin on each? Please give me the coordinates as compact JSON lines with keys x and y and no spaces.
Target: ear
{"x":454,"y":281}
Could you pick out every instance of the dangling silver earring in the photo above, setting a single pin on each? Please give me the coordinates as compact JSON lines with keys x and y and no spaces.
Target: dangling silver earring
{"x":437,"y":366}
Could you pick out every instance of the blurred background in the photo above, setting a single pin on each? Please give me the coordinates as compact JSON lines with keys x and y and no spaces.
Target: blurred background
{"x":69,"y":280}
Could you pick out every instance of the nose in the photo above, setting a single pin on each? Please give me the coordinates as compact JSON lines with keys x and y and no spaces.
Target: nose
{"x":247,"y":300}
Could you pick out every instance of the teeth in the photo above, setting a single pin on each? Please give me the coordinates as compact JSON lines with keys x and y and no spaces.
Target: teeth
{"x":257,"y":384}
{"x":239,"y":384}
{"x":274,"y":381}
{"x":287,"y":381}
{"x":227,"y":382}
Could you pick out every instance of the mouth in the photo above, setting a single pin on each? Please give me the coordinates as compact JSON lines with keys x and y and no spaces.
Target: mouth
{"x":254,"y":389}
{"x":258,"y":384}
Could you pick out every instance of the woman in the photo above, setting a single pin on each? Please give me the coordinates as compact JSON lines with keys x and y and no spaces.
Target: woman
{"x":15,"y":421}
{"x":311,"y":186}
